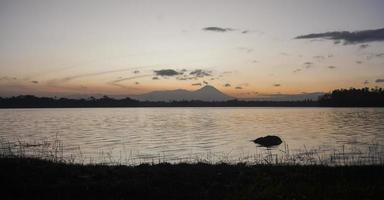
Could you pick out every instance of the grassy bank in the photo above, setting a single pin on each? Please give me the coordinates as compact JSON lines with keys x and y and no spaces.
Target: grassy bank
{"x":42,"y":170}
{"x":23,"y":178}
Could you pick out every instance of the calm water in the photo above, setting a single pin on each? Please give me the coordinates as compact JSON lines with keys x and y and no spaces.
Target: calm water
{"x":177,"y":133}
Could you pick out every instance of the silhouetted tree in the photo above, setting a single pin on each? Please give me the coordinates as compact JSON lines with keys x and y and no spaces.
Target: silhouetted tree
{"x":354,"y":97}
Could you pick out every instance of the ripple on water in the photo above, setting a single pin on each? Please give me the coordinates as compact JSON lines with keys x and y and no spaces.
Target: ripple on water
{"x":181,"y":132}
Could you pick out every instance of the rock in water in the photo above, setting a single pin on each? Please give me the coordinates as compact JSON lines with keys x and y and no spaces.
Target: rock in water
{"x":268,"y":141}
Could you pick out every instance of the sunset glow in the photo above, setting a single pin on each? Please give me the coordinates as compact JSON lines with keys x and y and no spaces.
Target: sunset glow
{"x":243,"y":48}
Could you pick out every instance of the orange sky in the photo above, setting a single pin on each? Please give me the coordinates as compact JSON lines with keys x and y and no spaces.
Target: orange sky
{"x":244,"y":48}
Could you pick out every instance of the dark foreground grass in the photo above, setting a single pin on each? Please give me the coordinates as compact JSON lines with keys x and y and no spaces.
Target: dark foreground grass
{"x":30,"y":178}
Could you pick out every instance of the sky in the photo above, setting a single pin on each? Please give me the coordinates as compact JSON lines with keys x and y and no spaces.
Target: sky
{"x":243,"y":48}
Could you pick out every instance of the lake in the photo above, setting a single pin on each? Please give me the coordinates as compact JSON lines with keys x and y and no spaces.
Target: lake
{"x":176,"y":134}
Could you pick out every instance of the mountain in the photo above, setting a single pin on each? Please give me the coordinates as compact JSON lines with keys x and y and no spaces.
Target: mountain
{"x":206,"y":93}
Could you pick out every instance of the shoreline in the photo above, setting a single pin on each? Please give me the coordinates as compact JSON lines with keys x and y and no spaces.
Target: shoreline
{"x":35,"y":178}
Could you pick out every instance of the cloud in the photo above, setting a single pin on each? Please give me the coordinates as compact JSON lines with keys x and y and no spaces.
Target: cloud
{"x":359,"y":62}
{"x":155,"y":78}
{"x":199,"y":73}
{"x":69,"y":78}
{"x":217,"y":29}
{"x":7,"y":78}
{"x":227,"y":85}
{"x":246,"y":49}
{"x":238,"y":88}
{"x":366,"y":82}
{"x":319,"y":58}
{"x":57,"y":82}
{"x":129,"y":78}
{"x":35,"y":82}
{"x":331,"y":67}
{"x":194,"y":75}
{"x":380,"y":80}
{"x":347,"y":37}
{"x":308,"y":65}
{"x":196,"y":84}
{"x":297,"y":70}
{"x":245,"y":31}
{"x":364,"y":46}
{"x":136,"y":71}
{"x":184,"y":78}
{"x":117,"y":81}
{"x":205,"y":82}
{"x":167,"y":72}
{"x":276,"y":85}
{"x":378,"y":55}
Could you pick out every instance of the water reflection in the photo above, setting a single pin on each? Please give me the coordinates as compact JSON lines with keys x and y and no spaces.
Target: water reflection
{"x":177,"y":133}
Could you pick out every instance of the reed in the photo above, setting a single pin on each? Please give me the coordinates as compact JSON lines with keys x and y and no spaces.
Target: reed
{"x":53,"y":150}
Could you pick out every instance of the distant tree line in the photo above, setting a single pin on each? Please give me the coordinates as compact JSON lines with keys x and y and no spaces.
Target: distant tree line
{"x":353,"y":97}
{"x":338,"y":98}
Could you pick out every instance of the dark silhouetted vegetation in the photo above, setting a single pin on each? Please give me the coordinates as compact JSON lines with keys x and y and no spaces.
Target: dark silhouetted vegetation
{"x":31,"y":178}
{"x":29,"y":101}
{"x":364,"y":97}
{"x":51,"y":174}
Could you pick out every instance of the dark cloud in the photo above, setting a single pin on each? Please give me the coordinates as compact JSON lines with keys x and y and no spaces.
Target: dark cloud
{"x":319,"y":58}
{"x":136,"y":71}
{"x":129,"y":78}
{"x":364,"y":46}
{"x":366,"y":82}
{"x":155,"y":78}
{"x":238,"y":88}
{"x":217,"y":29}
{"x":185,"y":77}
{"x":359,"y":62}
{"x":117,"y":81}
{"x":167,"y":72}
{"x":7,"y":78}
{"x":347,"y":37}
{"x":227,"y":85}
{"x":137,"y":83}
{"x":308,"y":65}
{"x":245,"y":32}
{"x":205,"y":82}
{"x":196,"y":84}
{"x":277,"y":85}
{"x":331,"y":67}
{"x":380,"y":80}
{"x":378,"y":55}
{"x":35,"y":82}
{"x":199,"y":73}
{"x":194,"y":75}
{"x":297,"y":70}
